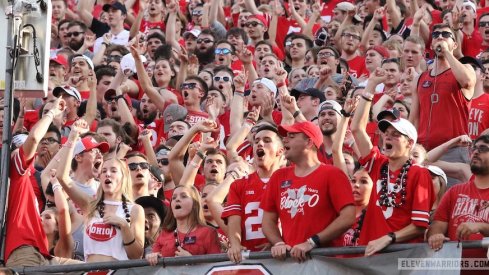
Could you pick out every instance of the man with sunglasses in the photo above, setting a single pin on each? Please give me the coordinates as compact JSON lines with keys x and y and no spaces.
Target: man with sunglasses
{"x":440,"y":105}
{"x":194,"y":91}
{"x":225,"y":56}
{"x":76,"y":38}
{"x":206,"y":45}
{"x":462,"y":212}
{"x":162,"y":152}
{"x":140,"y":174}
{"x":256,"y":27}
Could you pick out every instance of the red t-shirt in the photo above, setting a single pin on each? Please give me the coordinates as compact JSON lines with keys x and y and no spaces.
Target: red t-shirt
{"x":472,"y":44}
{"x":194,"y":117}
{"x":244,"y":200}
{"x":23,"y":216}
{"x":416,"y":210}
{"x":203,"y":240}
{"x":146,"y":26}
{"x":446,"y":119}
{"x":306,"y":205}
{"x":478,"y":115}
{"x":245,"y":150}
{"x":85,"y":94}
{"x":358,"y":67}
{"x":460,"y":205}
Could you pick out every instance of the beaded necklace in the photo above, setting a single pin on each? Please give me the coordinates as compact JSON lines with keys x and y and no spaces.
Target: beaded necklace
{"x":389,"y":199}
{"x":356,"y":234}
{"x":101,"y":208}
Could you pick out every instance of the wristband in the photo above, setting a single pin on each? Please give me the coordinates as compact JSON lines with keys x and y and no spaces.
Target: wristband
{"x":200,"y":155}
{"x":345,"y":114}
{"x":392,"y":235}
{"x":279,"y":243}
{"x":311,"y":242}
{"x":250,"y":121}
{"x":129,"y":243}
{"x":195,"y":165}
{"x":280,"y":85}
{"x":367,"y":98}
{"x":316,"y":240}
{"x":56,"y":186}
{"x":296,"y":113}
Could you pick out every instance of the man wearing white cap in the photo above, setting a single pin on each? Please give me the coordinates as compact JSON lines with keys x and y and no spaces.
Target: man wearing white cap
{"x":463,"y":210}
{"x":472,"y":39}
{"x":263,"y":93}
{"x":398,"y":210}
{"x":329,"y":114}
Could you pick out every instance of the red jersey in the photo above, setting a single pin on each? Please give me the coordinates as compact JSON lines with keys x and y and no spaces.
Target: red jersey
{"x":244,"y":200}
{"x":380,"y":220}
{"x":306,"y":205}
{"x":203,"y":240}
{"x":23,"y":217}
{"x":445,"y":118}
{"x":245,"y":150}
{"x":472,"y":44}
{"x":194,"y":117}
{"x":478,"y":115}
{"x":464,"y":203}
{"x":156,"y":127}
{"x":146,"y":26}
{"x":358,"y":67}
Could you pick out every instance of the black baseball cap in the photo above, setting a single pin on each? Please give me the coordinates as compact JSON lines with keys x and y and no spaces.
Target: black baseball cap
{"x":310,"y":91}
{"x":115,"y":5}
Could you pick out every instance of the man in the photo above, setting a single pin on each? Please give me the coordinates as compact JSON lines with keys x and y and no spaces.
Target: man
{"x":308,"y":101}
{"x":412,"y":52}
{"x":479,"y":106}
{"x":483,"y":30}
{"x":441,"y":103}
{"x":194,"y":91}
{"x":113,"y":133}
{"x":328,"y":116}
{"x":398,"y":210}
{"x":462,"y":213}
{"x":206,"y":45}
{"x":349,"y":43}
{"x":81,"y":69}
{"x":76,"y":38}
{"x":302,"y":197}
{"x":256,"y":27}
{"x":190,"y":38}
{"x":154,"y":212}
{"x":153,"y":42}
{"x":244,"y":217}
{"x":58,"y":68}
{"x":168,"y":186}
{"x":105,"y":75}
{"x":472,"y":40}
{"x":299,"y":46}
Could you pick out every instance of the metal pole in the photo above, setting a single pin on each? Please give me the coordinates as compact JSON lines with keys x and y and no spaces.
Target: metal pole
{"x":177,"y":261}
{"x":7,"y":130}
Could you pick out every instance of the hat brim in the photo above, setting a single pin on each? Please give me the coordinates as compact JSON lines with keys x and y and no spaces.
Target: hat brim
{"x":155,"y":203}
{"x":385,"y":113}
{"x":102,"y":146}
{"x":284,"y":129}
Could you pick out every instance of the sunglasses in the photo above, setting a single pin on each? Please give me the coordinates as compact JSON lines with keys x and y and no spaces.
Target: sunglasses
{"x":222,"y":51}
{"x":206,"y":41}
{"x":49,"y":140}
{"x":351,"y":36}
{"x":443,"y":34}
{"x":252,"y":24}
{"x":481,"y":148}
{"x":134,"y":166}
{"x":75,"y":34}
{"x":224,"y":78}
{"x":197,"y":13}
{"x":189,"y":86}
{"x":163,"y":162}
{"x":484,"y":24}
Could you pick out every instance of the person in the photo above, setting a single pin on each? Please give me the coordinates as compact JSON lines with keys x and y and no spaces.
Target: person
{"x":154,"y":212}
{"x":185,"y":232}
{"x":301,"y":194}
{"x":398,"y":210}
{"x":462,"y":213}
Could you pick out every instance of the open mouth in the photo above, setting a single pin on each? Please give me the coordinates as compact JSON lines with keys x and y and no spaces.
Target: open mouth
{"x":388,"y":146}
{"x":146,"y":228}
{"x":107,"y":181}
{"x":113,"y":109}
{"x":220,"y":87}
{"x":185,"y":94}
{"x":260,"y":153}
{"x":97,"y":164}
{"x":139,"y":176}
{"x":178,"y":206}
{"x":221,"y":59}
{"x":214,"y":171}
{"x":205,"y":207}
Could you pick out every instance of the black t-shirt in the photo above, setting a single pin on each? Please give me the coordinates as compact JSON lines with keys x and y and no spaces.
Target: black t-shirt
{"x":99,"y":28}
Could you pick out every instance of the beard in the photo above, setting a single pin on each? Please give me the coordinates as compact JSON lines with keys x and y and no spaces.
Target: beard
{"x":205,"y":56}
{"x":148,"y":119}
{"x":75,"y":45}
{"x":479,"y":169}
{"x":328,"y":132}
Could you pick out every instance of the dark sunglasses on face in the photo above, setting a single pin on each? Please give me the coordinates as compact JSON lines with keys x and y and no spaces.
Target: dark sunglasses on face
{"x":206,"y":41}
{"x":443,"y":34}
{"x":134,"y":166}
{"x":483,"y":24}
{"x":252,"y":24}
{"x":75,"y":34}
{"x":222,"y":51}
{"x":188,"y":86}
{"x":481,"y":148}
{"x":224,"y":78}
{"x":49,"y":140}
{"x":163,"y":162}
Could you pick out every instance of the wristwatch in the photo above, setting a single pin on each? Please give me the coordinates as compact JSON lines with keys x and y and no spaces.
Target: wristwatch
{"x":392,"y":235}
{"x":312,"y":243}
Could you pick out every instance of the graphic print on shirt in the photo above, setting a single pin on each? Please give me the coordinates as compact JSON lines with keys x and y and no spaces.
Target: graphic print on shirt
{"x":387,"y":211}
{"x":294,"y":200}
{"x":101,"y":232}
{"x":467,"y":209}
{"x":253,"y":223}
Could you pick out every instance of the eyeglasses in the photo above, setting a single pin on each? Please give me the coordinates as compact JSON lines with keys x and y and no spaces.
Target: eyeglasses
{"x":481,"y":148}
{"x":189,"y":86}
{"x":197,"y":13}
{"x":49,"y":140}
{"x":443,"y":34}
{"x":134,"y":166}
{"x":75,"y":34}
{"x":222,"y":51}
{"x":351,"y":36}
{"x":252,"y":24}
{"x":325,"y":54}
{"x":483,"y":24}
{"x":206,"y":41}
{"x":163,"y":162}
{"x":224,"y":78}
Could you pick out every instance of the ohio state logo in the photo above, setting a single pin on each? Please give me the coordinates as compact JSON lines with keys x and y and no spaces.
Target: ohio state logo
{"x":101,"y":232}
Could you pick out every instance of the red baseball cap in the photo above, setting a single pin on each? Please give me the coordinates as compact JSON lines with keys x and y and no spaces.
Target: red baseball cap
{"x":381,"y":50}
{"x":308,"y":128}
{"x":60,"y":59}
{"x":88,"y":143}
{"x":259,"y":17}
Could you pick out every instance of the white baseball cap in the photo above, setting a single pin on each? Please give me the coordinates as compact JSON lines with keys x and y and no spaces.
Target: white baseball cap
{"x":268,"y":83}
{"x":402,"y":125}
{"x":437,"y":171}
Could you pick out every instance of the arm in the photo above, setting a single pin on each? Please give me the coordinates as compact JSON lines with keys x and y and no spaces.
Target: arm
{"x":360,"y":120}
{"x":394,"y":13}
{"x":188,"y":177}
{"x":84,"y":7}
{"x":436,"y":153}
{"x":414,"y":114}
{"x":91,"y":111}
{"x":170,"y":26}
{"x":457,"y":170}
{"x":251,"y":7}
{"x":339,"y":135}
{"x":145,"y":138}
{"x":136,"y":24}
{"x":405,"y":234}
{"x":436,"y":234}
{"x":464,"y":73}
{"x":19,"y":123}
{"x":237,"y":138}
{"x":379,"y":106}
{"x":378,"y":15}
{"x":99,"y":55}
{"x":237,"y":104}
{"x":214,"y":7}
{"x":65,"y":245}
{"x":346,"y":22}
{"x":270,"y":227}
{"x":133,"y":235}
{"x":316,"y":13}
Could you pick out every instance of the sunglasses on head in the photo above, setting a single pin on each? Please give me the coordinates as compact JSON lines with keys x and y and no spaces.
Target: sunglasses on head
{"x":443,"y":34}
{"x":252,"y":24}
{"x":224,"y":78}
{"x":222,"y":51}
{"x":75,"y":34}
{"x":188,"y":86}
{"x":134,"y":166}
{"x":163,"y":162}
{"x":206,"y":41}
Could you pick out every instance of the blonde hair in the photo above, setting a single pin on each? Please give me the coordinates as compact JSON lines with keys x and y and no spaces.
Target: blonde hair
{"x":196,"y":214}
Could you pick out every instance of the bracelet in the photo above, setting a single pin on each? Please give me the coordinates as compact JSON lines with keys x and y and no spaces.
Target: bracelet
{"x":316,"y":240}
{"x":280,"y":85}
{"x":392,"y":235}
{"x":311,"y":242}
{"x":297,"y":113}
{"x":279,"y":243}
{"x":366,"y":98}
{"x":195,"y":165}
{"x":250,"y":121}
{"x":56,"y":186}
{"x":129,"y":243}
{"x":20,"y":117}
{"x":345,"y":114}
{"x":231,"y":174}
{"x":200,"y":155}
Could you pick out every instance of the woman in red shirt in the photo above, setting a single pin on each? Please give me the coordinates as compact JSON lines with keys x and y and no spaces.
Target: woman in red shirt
{"x":185,"y":232}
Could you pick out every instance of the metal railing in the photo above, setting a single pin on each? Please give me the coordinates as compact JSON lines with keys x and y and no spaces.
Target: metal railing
{"x":177,"y":261}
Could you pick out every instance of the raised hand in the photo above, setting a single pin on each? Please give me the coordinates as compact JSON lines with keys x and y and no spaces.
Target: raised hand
{"x":288,"y":102}
{"x":240,"y":81}
{"x":378,"y":76}
{"x":80,"y":126}
{"x":281,"y":75}
{"x":59,"y":107}
{"x":379,"y":14}
{"x":206,"y":126}
{"x":245,"y":56}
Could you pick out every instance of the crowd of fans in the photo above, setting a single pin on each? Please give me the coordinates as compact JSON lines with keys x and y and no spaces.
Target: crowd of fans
{"x":184,"y":128}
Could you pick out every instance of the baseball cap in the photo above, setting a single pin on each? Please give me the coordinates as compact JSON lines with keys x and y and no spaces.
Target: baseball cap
{"x":472,"y":61}
{"x":110,"y":94}
{"x":115,"y":5}
{"x":437,"y":171}
{"x":60,"y":59}
{"x":402,"y":125}
{"x":381,"y":50}
{"x":345,"y":6}
{"x":389,"y":112}
{"x":260,"y":18}
{"x":194,"y":32}
{"x":155,"y":203}
{"x":128,"y":62}
{"x":172,"y":113}
{"x":88,"y":143}
{"x":157,"y":173}
{"x":310,"y":91}
{"x":470,"y":4}
{"x":86,"y":58}
{"x":330,"y":105}
{"x":268,"y":83}
{"x":308,"y":128}
{"x":72,"y":91}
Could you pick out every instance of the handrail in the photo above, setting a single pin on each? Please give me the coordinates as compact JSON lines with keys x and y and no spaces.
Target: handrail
{"x":176,"y":261}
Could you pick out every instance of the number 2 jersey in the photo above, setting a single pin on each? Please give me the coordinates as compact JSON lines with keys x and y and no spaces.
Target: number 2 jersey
{"x":244,"y":200}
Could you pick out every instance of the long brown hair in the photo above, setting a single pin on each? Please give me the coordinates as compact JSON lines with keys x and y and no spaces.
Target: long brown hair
{"x":196,"y":214}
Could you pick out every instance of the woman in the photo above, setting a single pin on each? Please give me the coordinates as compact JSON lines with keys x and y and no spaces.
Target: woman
{"x":185,"y":232}
{"x":439,"y":179}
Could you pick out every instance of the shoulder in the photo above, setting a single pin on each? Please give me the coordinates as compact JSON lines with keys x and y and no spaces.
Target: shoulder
{"x":137,"y":210}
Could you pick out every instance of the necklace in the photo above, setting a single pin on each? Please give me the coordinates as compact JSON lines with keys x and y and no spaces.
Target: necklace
{"x":356,"y":234}
{"x":177,"y":241}
{"x":483,"y":204}
{"x":389,"y":199}
{"x":101,"y":208}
